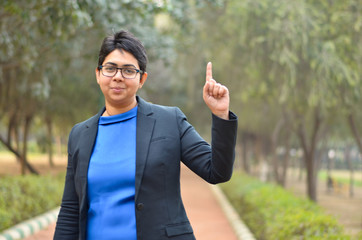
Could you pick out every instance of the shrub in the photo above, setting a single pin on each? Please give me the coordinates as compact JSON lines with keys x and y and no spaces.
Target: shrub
{"x":23,"y":197}
{"x":272,"y":212}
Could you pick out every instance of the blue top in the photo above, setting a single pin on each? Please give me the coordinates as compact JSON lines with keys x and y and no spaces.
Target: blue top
{"x":111,"y":179}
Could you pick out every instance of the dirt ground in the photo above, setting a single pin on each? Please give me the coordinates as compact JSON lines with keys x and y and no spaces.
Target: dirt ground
{"x":348,"y":211}
{"x":9,"y":165}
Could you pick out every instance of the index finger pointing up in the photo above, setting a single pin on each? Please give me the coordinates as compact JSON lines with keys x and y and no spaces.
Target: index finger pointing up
{"x":208,"y":71}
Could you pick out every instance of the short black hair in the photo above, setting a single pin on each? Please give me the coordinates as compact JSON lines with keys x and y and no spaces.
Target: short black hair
{"x":124,"y":40}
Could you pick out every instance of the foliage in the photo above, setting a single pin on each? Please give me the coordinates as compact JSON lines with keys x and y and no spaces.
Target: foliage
{"x":48,"y":53}
{"x":23,"y":197}
{"x":51,"y":53}
{"x":296,"y":62}
{"x":274,"y":213}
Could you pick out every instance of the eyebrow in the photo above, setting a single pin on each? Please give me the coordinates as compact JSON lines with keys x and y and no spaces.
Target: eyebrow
{"x":124,"y":65}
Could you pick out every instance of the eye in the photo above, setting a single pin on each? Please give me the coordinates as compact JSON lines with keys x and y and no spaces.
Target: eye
{"x":129,"y":71}
{"x":109,"y":69}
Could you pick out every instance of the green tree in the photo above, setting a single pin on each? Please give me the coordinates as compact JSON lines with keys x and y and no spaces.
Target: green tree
{"x":48,"y":56}
{"x":285,"y":62}
{"x":32,"y":33}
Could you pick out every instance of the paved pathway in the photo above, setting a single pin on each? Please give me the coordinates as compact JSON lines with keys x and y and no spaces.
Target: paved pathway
{"x":207,"y":218}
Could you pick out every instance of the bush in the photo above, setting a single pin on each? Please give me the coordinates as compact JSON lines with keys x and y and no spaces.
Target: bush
{"x":272,"y":213}
{"x":23,"y":197}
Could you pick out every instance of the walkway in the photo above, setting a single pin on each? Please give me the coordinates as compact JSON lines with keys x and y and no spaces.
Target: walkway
{"x":207,"y":218}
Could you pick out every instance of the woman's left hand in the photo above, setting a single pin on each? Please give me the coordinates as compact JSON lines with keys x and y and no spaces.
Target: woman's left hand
{"x":216,"y":96}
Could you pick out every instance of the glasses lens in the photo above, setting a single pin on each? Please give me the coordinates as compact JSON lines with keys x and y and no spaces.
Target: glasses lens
{"x":129,"y":72}
{"x":109,"y":71}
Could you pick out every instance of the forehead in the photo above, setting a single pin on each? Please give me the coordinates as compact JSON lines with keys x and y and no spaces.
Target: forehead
{"x":121,"y":58}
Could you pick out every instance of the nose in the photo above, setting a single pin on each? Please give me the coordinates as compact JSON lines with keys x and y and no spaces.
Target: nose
{"x":118,"y":76}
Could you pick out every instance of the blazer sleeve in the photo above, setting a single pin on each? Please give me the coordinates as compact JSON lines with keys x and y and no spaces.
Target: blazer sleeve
{"x":67,"y":226}
{"x":213,"y":163}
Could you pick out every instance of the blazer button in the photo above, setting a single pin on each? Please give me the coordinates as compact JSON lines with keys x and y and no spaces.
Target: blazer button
{"x":140,"y":206}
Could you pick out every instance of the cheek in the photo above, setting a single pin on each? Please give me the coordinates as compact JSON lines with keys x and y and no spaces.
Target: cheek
{"x":132,"y":84}
{"x":103,"y":81}
{"x":98,"y":76}
{"x":103,"y":85}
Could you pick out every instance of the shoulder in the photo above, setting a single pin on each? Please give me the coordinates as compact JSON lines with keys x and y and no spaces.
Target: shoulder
{"x":165,"y":115}
{"x":86,"y":123}
{"x":76,"y":134}
{"x":166,"y":111}
{"x":149,"y":108}
{"x":81,"y":126}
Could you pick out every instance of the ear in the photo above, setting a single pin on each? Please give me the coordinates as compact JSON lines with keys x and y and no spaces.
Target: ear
{"x":143,"y":79}
{"x":97,"y":74}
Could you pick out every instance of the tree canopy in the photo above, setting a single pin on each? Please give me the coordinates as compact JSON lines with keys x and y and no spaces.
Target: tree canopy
{"x":293,"y":68}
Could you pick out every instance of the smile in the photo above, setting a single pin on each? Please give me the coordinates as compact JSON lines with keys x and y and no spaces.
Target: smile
{"x":117,"y":89}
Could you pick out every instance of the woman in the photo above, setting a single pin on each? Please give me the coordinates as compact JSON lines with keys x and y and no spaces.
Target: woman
{"x":123,"y":173}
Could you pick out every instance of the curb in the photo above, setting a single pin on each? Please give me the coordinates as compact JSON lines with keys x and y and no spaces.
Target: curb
{"x":34,"y":225}
{"x":241,"y":230}
{"x":31,"y":226}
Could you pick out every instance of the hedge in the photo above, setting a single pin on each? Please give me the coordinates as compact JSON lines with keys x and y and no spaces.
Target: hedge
{"x":24,"y":197}
{"x":272,"y":212}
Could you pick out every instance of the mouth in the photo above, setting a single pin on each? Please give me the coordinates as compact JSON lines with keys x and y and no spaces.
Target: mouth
{"x":117,"y":89}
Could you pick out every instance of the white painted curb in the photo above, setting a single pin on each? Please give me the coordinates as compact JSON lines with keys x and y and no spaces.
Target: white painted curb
{"x":31,"y":226}
{"x":241,"y":230}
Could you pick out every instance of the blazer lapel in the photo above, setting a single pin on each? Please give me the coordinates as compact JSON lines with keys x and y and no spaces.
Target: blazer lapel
{"x":88,"y":140}
{"x":145,"y":125}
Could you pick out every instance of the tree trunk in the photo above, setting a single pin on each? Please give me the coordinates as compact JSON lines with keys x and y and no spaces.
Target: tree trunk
{"x":10,"y":148}
{"x":355,"y":133}
{"x":50,"y":140}
{"x":18,"y":155}
{"x":311,"y":178}
{"x":311,"y":162}
{"x":11,"y":126}
{"x":23,"y":160}
{"x":25,"y":144}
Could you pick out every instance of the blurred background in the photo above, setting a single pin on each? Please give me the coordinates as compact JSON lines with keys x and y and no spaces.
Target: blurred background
{"x":293,"y":68}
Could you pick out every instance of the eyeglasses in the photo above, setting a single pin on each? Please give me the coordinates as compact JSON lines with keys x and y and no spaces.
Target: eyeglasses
{"x":111,"y":71}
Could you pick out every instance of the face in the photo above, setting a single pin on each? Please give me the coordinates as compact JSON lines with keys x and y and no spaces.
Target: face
{"x":118,"y":91}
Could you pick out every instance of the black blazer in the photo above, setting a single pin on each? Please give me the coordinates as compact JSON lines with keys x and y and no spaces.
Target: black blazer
{"x":164,"y":139}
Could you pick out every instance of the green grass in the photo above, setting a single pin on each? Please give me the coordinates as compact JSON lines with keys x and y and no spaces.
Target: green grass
{"x":341,"y":176}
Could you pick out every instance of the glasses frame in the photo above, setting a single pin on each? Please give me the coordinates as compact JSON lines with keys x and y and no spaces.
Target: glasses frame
{"x":120,"y":69}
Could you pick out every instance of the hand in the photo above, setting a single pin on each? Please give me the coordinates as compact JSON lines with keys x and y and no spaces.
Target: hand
{"x":216,"y":96}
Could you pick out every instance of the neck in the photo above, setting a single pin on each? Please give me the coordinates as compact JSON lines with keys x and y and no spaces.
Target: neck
{"x":114,"y":110}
